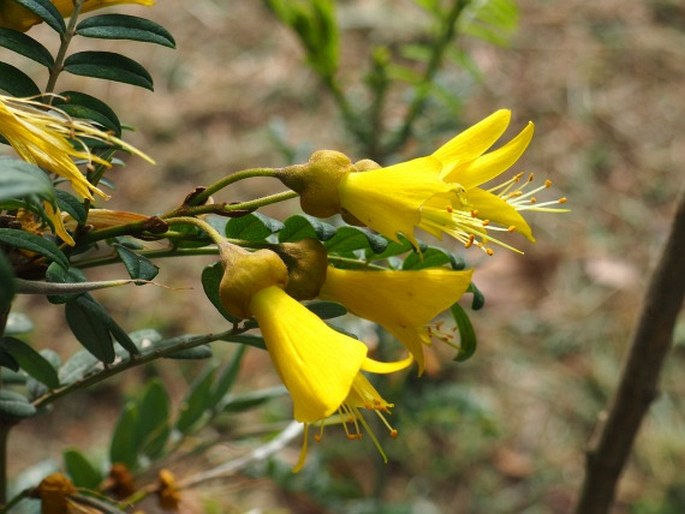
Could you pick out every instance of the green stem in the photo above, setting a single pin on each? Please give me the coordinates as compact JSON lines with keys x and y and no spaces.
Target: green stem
{"x":201,"y":224}
{"x":203,"y":196}
{"x":128,"y":229}
{"x":115,"y":369}
{"x":251,"y":205}
{"x":422,"y":92}
{"x":150,"y":254}
{"x":65,"y":40}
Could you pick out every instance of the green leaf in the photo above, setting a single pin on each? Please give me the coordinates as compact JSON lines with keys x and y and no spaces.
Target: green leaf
{"x":46,"y":12}
{"x":15,"y":405}
{"x":16,"y":82}
{"x":124,"y":446}
{"x":153,"y":427}
{"x":6,"y":283}
{"x":211,"y":279}
{"x":196,"y":403}
{"x":19,"y":179}
{"x":348,"y":239}
{"x":108,"y":66}
{"x":120,"y":335}
{"x":7,"y":361}
{"x":88,"y":321}
{"x":392,"y":249}
{"x":243,"y":402}
{"x":327,"y":310}
{"x":301,"y":226}
{"x":467,"y":334}
{"x":138,"y":266}
{"x":494,"y":21}
{"x":57,"y":274}
{"x":252,"y":227}
{"x":69,"y":203}
{"x":122,"y":26}
{"x":246,"y":339}
{"x":198,"y":352}
{"x":27,"y":241}
{"x":80,"y":470}
{"x":18,"y":323}
{"x":227,"y":378}
{"x":32,"y":362}
{"x":315,"y":24}
{"x":78,"y":366}
{"x":478,"y":298}
{"x":81,"y":105}
{"x":25,"y":45}
{"x":432,"y":257}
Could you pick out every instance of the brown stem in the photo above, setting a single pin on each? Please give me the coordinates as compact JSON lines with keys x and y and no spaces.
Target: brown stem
{"x":638,"y":387}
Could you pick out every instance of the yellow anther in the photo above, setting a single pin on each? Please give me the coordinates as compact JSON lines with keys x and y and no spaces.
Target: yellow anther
{"x":511,"y":228}
{"x":548,"y":183}
{"x":562,"y":199}
{"x":533,"y":199}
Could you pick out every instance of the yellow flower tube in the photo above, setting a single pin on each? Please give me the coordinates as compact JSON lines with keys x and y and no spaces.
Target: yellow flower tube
{"x":403,"y":302}
{"x":320,"y":367}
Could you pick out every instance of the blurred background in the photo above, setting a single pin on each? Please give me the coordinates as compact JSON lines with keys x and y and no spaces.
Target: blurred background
{"x":504,"y":432}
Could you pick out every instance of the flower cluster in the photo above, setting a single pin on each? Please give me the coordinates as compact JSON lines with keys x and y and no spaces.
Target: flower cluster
{"x":321,"y":367}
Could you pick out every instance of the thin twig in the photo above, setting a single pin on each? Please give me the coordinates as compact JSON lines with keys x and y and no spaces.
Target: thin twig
{"x":289,"y":433}
{"x":638,"y":387}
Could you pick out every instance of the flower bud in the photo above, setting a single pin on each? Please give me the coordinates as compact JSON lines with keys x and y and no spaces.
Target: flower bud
{"x":307,"y":262}
{"x":247,"y":273}
{"x":317,"y":181}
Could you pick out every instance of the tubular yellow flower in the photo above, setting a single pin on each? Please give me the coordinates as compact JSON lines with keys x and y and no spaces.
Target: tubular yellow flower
{"x":438,"y":193}
{"x":43,"y":135}
{"x":403,"y":302}
{"x":14,"y":16}
{"x":320,"y":367}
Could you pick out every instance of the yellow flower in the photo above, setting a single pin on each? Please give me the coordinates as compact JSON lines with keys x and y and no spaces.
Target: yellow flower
{"x":45,"y":136}
{"x":438,"y":193}
{"x":14,"y":16}
{"x":320,"y":367}
{"x":403,"y":302}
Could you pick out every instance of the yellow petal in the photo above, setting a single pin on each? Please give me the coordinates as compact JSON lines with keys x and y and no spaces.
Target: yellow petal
{"x":493,"y":208}
{"x":388,"y":200}
{"x":316,"y":363}
{"x":472,"y":142}
{"x":400,"y":301}
{"x":55,"y":217}
{"x":492,"y":164}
